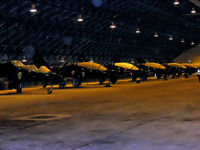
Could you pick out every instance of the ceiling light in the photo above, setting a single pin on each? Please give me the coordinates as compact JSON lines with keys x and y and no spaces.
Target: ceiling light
{"x":176,"y":2}
{"x":24,"y":59}
{"x":33,"y":9}
{"x":182,"y":40}
{"x":170,"y":38}
{"x":193,"y":11}
{"x":192,"y":43}
{"x":62,"y":60}
{"x":156,"y":34}
{"x":112,"y":26}
{"x":80,"y":19}
{"x":137,"y":31}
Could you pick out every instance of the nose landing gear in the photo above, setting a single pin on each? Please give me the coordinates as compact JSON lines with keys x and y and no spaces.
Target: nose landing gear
{"x":19,"y":88}
{"x":50,"y":90}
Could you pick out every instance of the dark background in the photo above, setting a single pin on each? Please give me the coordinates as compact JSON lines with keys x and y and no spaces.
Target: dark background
{"x":55,"y":33}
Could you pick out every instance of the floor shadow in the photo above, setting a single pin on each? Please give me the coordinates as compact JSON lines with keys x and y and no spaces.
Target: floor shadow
{"x":9,"y":94}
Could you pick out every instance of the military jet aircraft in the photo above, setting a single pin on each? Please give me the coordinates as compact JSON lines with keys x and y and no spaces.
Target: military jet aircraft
{"x":12,"y":74}
{"x":190,"y":69}
{"x":174,"y":69}
{"x":151,"y":69}
{"x":121,"y":70}
{"x":17,"y":73}
{"x":78,"y":72}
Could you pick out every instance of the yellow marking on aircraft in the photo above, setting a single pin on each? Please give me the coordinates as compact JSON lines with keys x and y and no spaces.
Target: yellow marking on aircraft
{"x":177,"y":65}
{"x":155,"y":65}
{"x":126,"y":66}
{"x":190,"y":65}
{"x":92,"y":65}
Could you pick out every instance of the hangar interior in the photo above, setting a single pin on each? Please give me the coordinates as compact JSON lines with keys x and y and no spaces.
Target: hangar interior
{"x":73,"y":29}
{"x":99,"y":74}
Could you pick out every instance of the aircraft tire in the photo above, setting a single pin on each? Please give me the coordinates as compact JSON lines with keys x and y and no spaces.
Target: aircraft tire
{"x":61,"y":86}
{"x":45,"y":85}
{"x":186,"y":75}
{"x":166,"y":77}
{"x":113,"y":80}
{"x":100,"y":83}
{"x":49,"y":91}
{"x":19,"y":90}
{"x":138,"y":81}
{"x":134,"y":79}
{"x":77,"y":85}
{"x":144,"y":78}
{"x":107,"y":85}
{"x":158,"y":77}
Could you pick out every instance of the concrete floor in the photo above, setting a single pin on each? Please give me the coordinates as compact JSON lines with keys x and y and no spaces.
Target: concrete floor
{"x":153,"y":115}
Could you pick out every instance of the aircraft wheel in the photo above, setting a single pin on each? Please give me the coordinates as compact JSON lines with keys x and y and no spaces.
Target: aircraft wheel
{"x":166,"y":78}
{"x":49,"y":91}
{"x":158,"y":77}
{"x":19,"y":90}
{"x":186,"y":75}
{"x":113,"y":80}
{"x":61,"y":86}
{"x":107,"y":85}
{"x":173,"y":76}
{"x":76,"y":82}
{"x":134,"y":79}
{"x":77,"y":85}
{"x":144,"y":78}
{"x":45,"y":85}
{"x":138,"y":81}
{"x":100,"y":83}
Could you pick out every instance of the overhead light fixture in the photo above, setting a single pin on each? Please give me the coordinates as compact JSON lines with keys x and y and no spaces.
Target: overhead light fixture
{"x":192,"y":43}
{"x":182,"y":40}
{"x":193,"y":11}
{"x":176,"y":2}
{"x":112,"y":26}
{"x":137,"y":31}
{"x":62,"y":60}
{"x":170,"y":38}
{"x":33,"y":9}
{"x":24,"y":59}
{"x":156,"y":34}
{"x":80,"y":19}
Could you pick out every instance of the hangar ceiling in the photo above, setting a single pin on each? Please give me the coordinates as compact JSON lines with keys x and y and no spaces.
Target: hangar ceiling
{"x":55,"y":33}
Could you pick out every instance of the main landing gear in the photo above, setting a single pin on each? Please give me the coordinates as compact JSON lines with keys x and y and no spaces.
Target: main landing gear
{"x":19,"y":88}
{"x":50,"y":90}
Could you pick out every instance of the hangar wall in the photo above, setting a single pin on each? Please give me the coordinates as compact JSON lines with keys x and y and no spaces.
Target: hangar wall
{"x":192,"y":55}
